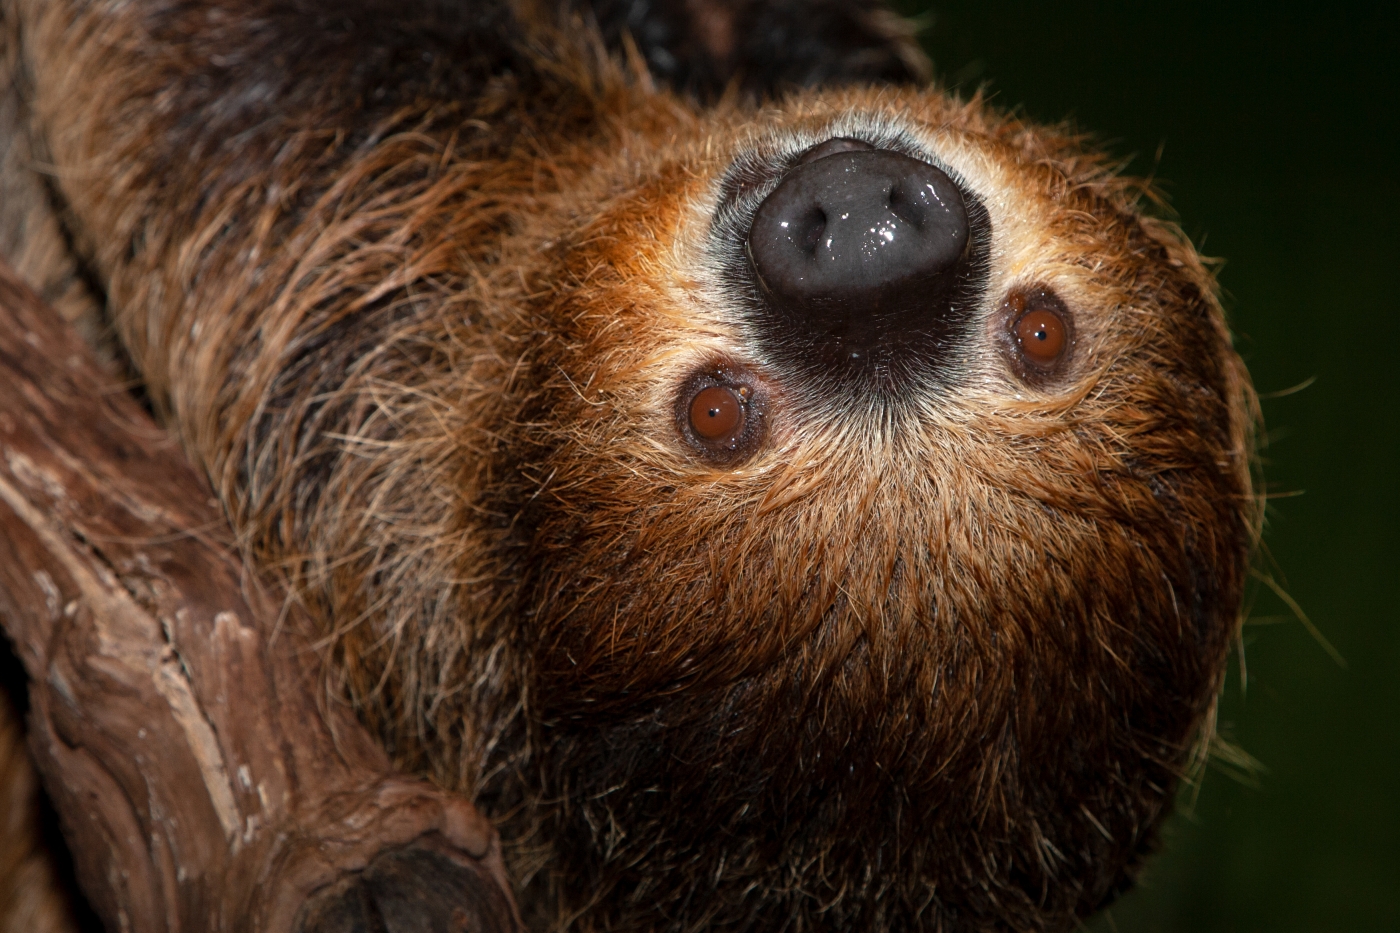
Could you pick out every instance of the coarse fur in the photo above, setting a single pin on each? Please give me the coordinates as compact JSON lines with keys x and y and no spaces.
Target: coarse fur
{"x":418,"y":287}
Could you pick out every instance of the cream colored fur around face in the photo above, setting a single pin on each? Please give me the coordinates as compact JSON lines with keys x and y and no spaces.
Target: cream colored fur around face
{"x":932,"y":661}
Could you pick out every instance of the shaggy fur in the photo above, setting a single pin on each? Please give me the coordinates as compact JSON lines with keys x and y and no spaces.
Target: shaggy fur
{"x":418,"y":288}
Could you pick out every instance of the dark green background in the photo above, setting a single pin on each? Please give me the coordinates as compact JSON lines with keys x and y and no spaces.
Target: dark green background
{"x":1278,"y":149}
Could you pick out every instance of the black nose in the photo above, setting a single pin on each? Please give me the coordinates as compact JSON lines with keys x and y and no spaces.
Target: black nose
{"x":858,"y":256}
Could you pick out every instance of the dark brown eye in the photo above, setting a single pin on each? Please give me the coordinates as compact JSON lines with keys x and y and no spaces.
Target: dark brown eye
{"x":1038,"y":334}
{"x":717,"y":413}
{"x":720,"y":413}
{"x":1041,"y":334}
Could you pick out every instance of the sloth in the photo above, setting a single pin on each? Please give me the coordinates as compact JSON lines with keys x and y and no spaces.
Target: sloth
{"x":781,"y":493}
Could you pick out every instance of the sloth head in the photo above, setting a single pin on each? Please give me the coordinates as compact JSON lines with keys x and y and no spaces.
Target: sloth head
{"x":892,"y":518}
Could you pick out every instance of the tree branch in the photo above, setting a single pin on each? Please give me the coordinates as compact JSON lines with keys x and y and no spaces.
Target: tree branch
{"x":200,"y":783}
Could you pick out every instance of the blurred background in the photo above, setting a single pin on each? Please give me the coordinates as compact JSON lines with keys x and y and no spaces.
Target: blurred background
{"x":1272,"y":130}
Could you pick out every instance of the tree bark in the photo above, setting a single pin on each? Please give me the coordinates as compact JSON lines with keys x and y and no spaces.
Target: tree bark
{"x":203,"y":779}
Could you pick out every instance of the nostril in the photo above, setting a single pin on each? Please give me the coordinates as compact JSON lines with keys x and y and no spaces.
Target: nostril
{"x":906,"y":208}
{"x":809,"y":232}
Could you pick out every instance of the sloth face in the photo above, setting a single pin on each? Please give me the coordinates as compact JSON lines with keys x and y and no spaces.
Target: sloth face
{"x":970,"y":400}
{"x":903,"y":483}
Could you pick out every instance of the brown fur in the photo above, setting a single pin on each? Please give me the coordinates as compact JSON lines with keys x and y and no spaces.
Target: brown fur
{"x":933,"y":662}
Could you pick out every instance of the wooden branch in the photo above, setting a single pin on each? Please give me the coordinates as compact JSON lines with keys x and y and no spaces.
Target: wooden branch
{"x":200,"y":784}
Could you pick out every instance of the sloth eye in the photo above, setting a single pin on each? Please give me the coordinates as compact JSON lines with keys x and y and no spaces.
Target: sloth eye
{"x":718,"y":413}
{"x":1039,"y":333}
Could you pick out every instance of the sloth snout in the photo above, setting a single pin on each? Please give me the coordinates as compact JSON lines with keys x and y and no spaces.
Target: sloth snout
{"x":862,"y":258}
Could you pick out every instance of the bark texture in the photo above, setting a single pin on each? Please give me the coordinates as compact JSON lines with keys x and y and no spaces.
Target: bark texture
{"x":203,"y":780}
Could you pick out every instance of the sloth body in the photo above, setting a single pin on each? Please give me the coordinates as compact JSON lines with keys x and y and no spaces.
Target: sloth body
{"x":919,"y":641}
